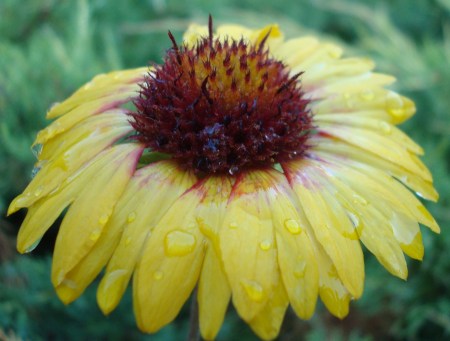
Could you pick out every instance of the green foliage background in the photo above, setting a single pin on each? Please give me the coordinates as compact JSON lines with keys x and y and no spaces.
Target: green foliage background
{"x":48,"y":48}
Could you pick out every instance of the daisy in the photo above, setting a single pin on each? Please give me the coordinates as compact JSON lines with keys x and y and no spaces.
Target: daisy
{"x":249,"y":166}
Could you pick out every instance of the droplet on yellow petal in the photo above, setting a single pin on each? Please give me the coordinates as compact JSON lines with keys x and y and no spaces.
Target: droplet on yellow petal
{"x":179,"y":243}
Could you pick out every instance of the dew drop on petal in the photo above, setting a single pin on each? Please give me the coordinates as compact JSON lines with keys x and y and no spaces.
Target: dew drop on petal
{"x":233,"y":225}
{"x":385,"y":127}
{"x":357,"y":199}
{"x":265,"y":245}
{"x":95,"y":235}
{"x":179,"y":243}
{"x":33,"y":246}
{"x":39,"y":191}
{"x":300,"y":269}
{"x":36,"y":149}
{"x":158,"y":275}
{"x":103,"y":219}
{"x":128,"y":241}
{"x":394,"y":105}
{"x":292,"y":226}
{"x":354,"y":219}
{"x":112,"y":277}
{"x":131,"y":217}
{"x":253,"y":290}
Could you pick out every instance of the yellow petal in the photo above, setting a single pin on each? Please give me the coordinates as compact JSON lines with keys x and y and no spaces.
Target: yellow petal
{"x":247,"y":244}
{"x":92,"y":207}
{"x":332,"y":291}
{"x":373,"y":228}
{"x":148,"y":196}
{"x":82,"y":112}
{"x":170,"y":265}
{"x":329,"y":221}
{"x":268,"y":322}
{"x":296,"y":255}
{"x":213,"y":295}
{"x":77,"y":279}
{"x":333,"y":147}
{"x":44,"y":212}
{"x":379,"y":145}
{"x":213,"y":282}
{"x":90,"y":128}
{"x":378,"y":126}
{"x":82,"y":145}
{"x":370,"y":99}
{"x":375,"y":184}
{"x":100,"y":86}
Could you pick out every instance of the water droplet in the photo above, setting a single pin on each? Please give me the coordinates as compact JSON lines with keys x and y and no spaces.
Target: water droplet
{"x":253,"y":289}
{"x":36,"y":149}
{"x":95,"y":235}
{"x":292,"y":226}
{"x":367,"y":95}
{"x":128,"y":241}
{"x":385,"y":127}
{"x":179,"y":243}
{"x":131,"y":217}
{"x":354,"y":219}
{"x":39,"y":191}
{"x":35,"y":170}
{"x":33,"y":246}
{"x":158,"y":275}
{"x":112,"y":277}
{"x":394,"y":105}
{"x":357,"y":199}
{"x":103,"y":219}
{"x":265,"y":245}
{"x":69,"y":283}
{"x":233,"y":225}
{"x":300,"y":269}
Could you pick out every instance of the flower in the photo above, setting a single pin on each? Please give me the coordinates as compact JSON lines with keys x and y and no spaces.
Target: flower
{"x":249,"y":166}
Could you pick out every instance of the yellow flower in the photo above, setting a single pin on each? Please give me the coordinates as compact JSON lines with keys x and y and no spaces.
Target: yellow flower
{"x":250,"y":166}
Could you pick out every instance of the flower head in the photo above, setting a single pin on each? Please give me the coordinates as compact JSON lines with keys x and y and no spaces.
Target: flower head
{"x":252,"y":167}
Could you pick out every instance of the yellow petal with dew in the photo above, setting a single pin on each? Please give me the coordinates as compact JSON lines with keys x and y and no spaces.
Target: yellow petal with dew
{"x":378,"y":126}
{"x":373,"y":228}
{"x":379,"y":145}
{"x":77,"y":279}
{"x":332,"y":227}
{"x":213,"y":295}
{"x":212,"y":283}
{"x":335,"y":69}
{"x":378,"y":102}
{"x":82,"y":112}
{"x":65,"y":163}
{"x":407,"y":233}
{"x":148,"y":196}
{"x":332,"y":291}
{"x":346,"y":86}
{"x":268,"y":322}
{"x":339,"y":148}
{"x":44,"y":212}
{"x":247,"y":244}
{"x":296,"y":256}
{"x":374,"y":184}
{"x":170,"y":265}
{"x":104,"y":124}
{"x":93,"y":207}
{"x":100,"y":86}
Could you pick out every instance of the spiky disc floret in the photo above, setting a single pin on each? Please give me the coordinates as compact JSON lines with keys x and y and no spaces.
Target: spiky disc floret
{"x":222,"y":106}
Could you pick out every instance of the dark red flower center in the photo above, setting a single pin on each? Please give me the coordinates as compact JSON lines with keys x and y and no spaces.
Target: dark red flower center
{"x":222,"y":106}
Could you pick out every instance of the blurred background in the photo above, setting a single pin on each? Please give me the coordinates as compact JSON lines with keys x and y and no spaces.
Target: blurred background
{"x":48,"y":48}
